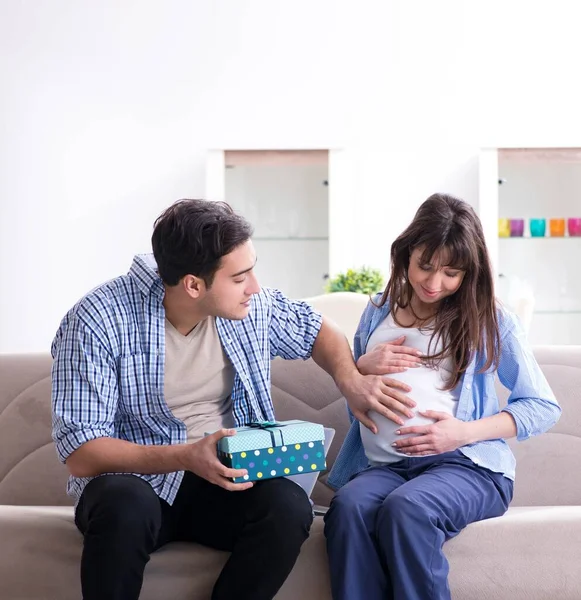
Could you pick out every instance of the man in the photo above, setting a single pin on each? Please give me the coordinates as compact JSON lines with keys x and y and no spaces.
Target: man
{"x":147,"y":363}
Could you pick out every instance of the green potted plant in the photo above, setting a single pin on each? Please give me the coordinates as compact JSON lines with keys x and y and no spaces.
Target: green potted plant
{"x":365,"y":280}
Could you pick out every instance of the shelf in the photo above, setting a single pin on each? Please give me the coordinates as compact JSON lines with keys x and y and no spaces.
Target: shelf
{"x":547,"y":237}
{"x":557,"y":312}
{"x":290,"y":239}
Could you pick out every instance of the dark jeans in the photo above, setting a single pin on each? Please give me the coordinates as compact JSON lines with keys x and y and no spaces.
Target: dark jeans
{"x":124,"y":521}
{"x":385,"y":528}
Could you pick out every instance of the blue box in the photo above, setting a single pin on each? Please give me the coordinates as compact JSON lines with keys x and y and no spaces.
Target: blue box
{"x":274,"y":449}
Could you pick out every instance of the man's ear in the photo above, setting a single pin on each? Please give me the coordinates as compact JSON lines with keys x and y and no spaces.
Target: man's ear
{"x":193,"y":286}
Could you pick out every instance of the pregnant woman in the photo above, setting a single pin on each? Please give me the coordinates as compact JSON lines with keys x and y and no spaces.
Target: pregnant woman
{"x":407,"y":484}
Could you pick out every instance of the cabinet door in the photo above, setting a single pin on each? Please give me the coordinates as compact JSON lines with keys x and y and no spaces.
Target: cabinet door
{"x":288,"y":207}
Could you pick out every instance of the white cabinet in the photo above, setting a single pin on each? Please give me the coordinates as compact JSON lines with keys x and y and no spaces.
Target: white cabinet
{"x":543,"y":184}
{"x":285,"y":197}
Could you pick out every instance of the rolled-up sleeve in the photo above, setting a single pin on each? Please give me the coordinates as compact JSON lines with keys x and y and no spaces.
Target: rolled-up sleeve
{"x":294,"y":326}
{"x":84,"y":388}
{"x":531,"y":403}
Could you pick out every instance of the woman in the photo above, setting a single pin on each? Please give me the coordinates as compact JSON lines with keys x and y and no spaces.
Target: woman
{"x":405,"y":490}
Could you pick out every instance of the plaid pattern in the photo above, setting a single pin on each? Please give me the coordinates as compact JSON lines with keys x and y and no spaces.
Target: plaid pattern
{"x":531,"y":401}
{"x":109,"y":356}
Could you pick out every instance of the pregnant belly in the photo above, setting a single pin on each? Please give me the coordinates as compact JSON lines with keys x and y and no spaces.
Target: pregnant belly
{"x":378,"y":447}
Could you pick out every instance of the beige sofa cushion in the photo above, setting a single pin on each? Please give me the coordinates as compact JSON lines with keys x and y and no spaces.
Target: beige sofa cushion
{"x":528,"y":554}
{"x":547,"y":471}
{"x":301,"y":390}
{"x":30,"y":472}
{"x":343,"y":308}
{"x":41,"y":553}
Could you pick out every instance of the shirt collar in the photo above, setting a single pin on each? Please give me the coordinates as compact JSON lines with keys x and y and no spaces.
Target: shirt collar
{"x":144,"y":271}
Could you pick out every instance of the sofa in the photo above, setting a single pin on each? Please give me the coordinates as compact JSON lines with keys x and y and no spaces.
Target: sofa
{"x":532,"y":552}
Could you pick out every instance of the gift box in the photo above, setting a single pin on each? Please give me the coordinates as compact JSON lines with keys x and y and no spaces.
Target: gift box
{"x":274,"y":449}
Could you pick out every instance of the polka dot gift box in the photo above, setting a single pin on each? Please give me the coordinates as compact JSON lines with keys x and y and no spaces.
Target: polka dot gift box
{"x":274,"y":449}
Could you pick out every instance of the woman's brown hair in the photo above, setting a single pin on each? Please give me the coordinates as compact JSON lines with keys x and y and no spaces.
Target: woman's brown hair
{"x":466,"y":321}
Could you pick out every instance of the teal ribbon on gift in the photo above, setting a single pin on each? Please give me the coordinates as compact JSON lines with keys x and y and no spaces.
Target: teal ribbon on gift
{"x":275,"y":434}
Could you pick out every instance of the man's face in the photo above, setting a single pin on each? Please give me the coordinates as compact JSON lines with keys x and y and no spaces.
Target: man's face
{"x":234,"y":285}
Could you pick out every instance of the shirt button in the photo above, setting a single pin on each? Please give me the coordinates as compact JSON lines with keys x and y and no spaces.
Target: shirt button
{"x":468,"y":386}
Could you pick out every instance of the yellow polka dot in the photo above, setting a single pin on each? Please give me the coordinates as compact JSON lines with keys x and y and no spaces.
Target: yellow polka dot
{"x":287,"y":471}
{"x":259,"y":475}
{"x":243,"y":454}
{"x":298,"y":446}
{"x":313,"y":467}
{"x":270,"y":450}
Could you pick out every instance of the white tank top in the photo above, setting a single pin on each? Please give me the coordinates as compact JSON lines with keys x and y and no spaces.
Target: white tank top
{"x":427,"y":385}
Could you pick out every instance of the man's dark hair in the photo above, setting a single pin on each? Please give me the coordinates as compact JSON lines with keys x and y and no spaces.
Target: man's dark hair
{"x":192,"y":236}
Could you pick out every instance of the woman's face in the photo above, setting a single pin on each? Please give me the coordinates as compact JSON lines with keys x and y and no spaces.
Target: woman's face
{"x":434,"y":281}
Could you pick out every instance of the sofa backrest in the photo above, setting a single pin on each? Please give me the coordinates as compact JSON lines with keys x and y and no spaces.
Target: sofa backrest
{"x":547,"y":471}
{"x":547,"y":465}
{"x":343,"y":308}
{"x":30,"y":474}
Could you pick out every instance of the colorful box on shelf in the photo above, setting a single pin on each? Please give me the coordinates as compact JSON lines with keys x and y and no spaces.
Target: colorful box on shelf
{"x":517,"y":227}
{"x":503,"y":227}
{"x":574,"y":227}
{"x":538,"y":227}
{"x":274,"y":449}
{"x":557,"y":227}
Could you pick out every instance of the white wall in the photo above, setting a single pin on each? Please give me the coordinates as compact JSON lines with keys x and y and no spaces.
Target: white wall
{"x":107,"y":110}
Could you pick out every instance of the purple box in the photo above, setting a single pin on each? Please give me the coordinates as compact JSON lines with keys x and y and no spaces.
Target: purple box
{"x":517,"y":227}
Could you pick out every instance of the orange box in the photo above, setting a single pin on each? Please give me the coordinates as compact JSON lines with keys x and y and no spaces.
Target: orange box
{"x":557,"y":227}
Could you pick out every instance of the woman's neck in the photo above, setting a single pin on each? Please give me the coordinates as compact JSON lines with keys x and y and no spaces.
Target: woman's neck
{"x":416,"y":313}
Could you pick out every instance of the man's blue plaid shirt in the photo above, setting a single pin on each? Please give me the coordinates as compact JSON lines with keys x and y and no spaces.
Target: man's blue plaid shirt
{"x":109,"y":355}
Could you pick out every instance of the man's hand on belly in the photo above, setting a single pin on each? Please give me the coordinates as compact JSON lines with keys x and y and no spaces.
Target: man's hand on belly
{"x":380,"y":394}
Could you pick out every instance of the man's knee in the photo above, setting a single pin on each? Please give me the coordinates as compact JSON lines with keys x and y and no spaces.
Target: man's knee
{"x":124,"y":504}
{"x":286,"y":507}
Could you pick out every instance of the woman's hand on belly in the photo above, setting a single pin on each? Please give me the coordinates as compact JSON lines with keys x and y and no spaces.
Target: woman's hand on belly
{"x":389,"y":358}
{"x":444,"y":435}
